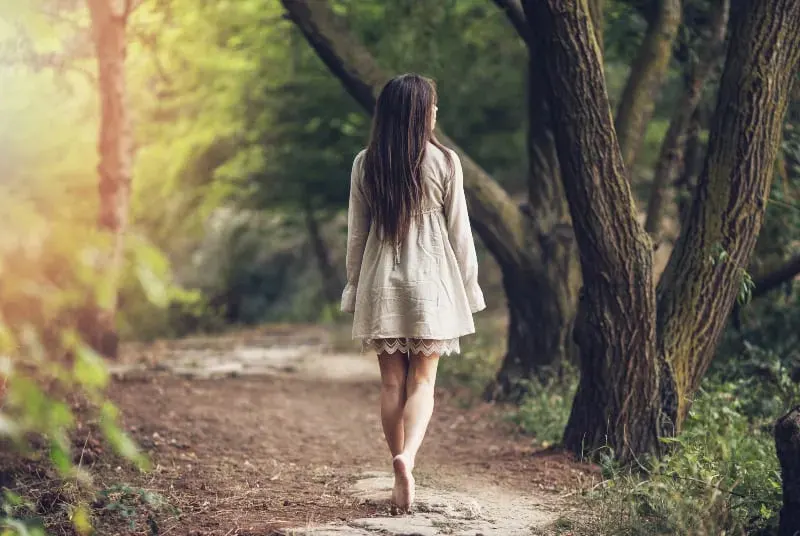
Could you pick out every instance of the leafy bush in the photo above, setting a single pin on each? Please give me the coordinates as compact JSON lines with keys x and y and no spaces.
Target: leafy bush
{"x":48,"y":277}
{"x":721,"y":478}
{"x":151,"y":305}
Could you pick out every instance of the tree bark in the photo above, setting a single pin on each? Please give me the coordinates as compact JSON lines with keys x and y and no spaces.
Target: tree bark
{"x":645,"y":79}
{"x":598,"y":21}
{"x":787,"y":447}
{"x":616,"y":403}
{"x":541,"y":301}
{"x":115,"y":148}
{"x":529,"y":249}
{"x":331,"y":284}
{"x":639,"y":369}
{"x":671,"y":154}
{"x":699,"y":286}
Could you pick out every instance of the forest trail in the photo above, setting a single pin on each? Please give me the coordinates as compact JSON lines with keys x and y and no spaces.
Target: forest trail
{"x":269,"y":432}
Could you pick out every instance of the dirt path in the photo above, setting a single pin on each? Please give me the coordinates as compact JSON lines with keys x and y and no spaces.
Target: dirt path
{"x":267,"y":433}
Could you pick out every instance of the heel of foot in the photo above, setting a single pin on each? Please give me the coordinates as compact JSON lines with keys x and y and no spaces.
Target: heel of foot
{"x":404,"y":482}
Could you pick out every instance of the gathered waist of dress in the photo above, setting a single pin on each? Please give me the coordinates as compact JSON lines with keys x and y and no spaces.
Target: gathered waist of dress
{"x":429,"y":210}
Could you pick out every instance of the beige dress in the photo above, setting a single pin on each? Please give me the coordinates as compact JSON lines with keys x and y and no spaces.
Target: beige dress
{"x":420,"y":296}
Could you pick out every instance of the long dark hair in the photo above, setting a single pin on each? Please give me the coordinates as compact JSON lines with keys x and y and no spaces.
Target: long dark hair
{"x":401,"y":130}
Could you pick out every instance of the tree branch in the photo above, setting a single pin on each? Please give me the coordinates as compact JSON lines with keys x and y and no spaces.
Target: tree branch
{"x":496,"y":218}
{"x":672,"y":147}
{"x":645,"y":79}
{"x":516,"y":15}
{"x":777,"y":277}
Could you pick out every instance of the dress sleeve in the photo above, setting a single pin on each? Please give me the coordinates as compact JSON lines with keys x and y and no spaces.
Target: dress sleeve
{"x":459,"y":233}
{"x":358,"y":223}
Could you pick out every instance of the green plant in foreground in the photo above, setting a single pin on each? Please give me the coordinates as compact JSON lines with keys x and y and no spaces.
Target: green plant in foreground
{"x":47,"y":282}
{"x":721,"y":478}
{"x":13,"y":518}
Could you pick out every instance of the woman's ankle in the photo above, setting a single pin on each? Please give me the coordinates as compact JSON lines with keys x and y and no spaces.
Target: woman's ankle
{"x":408,"y":459}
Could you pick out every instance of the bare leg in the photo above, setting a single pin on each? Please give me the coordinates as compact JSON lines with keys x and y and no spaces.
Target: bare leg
{"x":419,"y":402}
{"x":419,"y":408}
{"x":394,"y":368}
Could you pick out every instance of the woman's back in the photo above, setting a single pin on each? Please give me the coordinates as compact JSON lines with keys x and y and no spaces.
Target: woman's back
{"x":412,"y":272}
{"x":424,"y":286}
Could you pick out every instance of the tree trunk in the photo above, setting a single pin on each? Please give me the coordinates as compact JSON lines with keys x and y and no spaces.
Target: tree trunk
{"x":529,"y":253}
{"x":541,"y":298}
{"x":647,"y":73}
{"x":787,"y":446}
{"x":331,"y":284}
{"x":671,"y":154}
{"x":616,"y":403}
{"x":598,"y":21}
{"x":541,"y":310}
{"x":637,"y":375}
{"x":115,"y":148}
{"x":700,"y":283}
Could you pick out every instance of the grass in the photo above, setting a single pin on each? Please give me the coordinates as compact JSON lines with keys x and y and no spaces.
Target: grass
{"x":544,"y":412}
{"x":481,"y":354}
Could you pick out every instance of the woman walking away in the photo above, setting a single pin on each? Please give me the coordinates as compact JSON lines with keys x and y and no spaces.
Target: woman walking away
{"x":412,"y":272}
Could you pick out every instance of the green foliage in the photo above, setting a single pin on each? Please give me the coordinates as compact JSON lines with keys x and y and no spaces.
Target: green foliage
{"x":722,"y":476}
{"x":545,"y":410}
{"x":152,"y":304}
{"x":16,"y":517}
{"x":136,"y":506}
{"x":477,"y":364}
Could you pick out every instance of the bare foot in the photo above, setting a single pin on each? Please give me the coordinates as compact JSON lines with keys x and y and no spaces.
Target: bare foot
{"x":403,"y":493}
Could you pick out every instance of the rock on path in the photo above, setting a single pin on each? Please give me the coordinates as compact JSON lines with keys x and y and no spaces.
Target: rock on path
{"x":483,"y":511}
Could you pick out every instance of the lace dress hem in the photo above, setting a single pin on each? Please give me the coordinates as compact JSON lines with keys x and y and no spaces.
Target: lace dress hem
{"x":426,"y":347}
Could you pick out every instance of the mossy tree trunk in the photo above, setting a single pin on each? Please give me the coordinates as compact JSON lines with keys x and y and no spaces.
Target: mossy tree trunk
{"x":732,"y":191}
{"x":531,"y":248}
{"x":643,"y":350}
{"x":115,"y":149}
{"x":615,"y":327}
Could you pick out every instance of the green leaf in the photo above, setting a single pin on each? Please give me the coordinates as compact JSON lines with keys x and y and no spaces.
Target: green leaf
{"x":119,"y":440}
{"x":90,"y":368}
{"x":60,"y":456}
{"x":81,"y":520}
{"x":12,"y":498}
{"x":155,"y":288}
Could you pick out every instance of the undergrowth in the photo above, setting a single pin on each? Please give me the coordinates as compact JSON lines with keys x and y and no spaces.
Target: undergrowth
{"x":721,"y":475}
{"x":721,"y":478}
{"x":544,"y":412}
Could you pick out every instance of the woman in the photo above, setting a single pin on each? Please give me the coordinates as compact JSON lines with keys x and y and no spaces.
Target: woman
{"x":412,"y":272}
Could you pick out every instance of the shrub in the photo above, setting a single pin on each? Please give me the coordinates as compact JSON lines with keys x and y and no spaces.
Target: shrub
{"x":49,"y":275}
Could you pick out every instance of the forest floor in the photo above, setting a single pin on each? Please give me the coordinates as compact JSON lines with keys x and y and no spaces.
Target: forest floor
{"x":269,"y":432}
